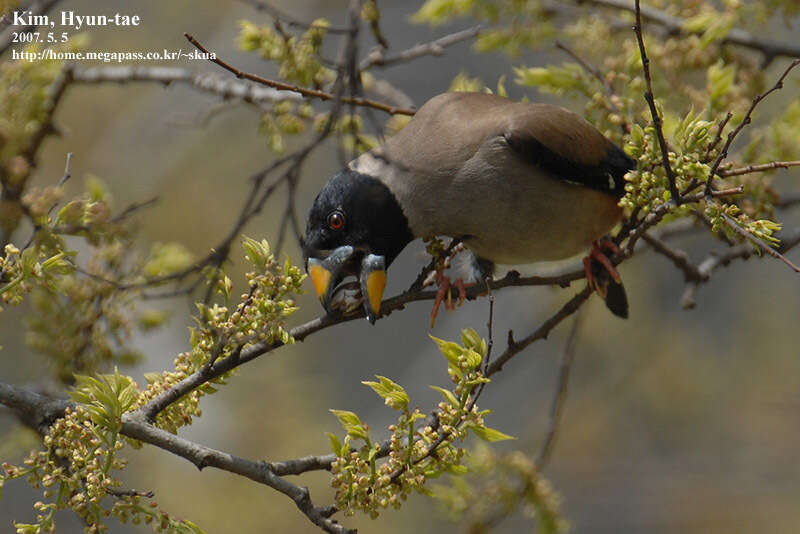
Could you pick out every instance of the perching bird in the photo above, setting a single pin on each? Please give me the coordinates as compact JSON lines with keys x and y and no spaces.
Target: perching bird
{"x":516,"y":182}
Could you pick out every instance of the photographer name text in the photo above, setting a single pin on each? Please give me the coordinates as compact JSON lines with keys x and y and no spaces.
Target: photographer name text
{"x":71,"y":20}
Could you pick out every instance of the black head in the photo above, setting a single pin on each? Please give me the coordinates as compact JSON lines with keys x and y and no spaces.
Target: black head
{"x":360,"y":211}
{"x":355,"y":227}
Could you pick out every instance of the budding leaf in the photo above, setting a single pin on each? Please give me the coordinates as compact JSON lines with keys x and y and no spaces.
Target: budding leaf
{"x":394,"y":394}
{"x":351,"y":423}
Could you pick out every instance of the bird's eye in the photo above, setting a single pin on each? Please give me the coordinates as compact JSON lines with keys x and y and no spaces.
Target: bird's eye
{"x":336,"y":220}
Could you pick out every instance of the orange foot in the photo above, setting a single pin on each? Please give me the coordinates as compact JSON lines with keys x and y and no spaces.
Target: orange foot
{"x":598,"y":270}
{"x":444,"y":294}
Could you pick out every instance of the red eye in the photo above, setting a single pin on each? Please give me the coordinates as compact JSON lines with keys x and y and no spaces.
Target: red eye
{"x":336,"y":220}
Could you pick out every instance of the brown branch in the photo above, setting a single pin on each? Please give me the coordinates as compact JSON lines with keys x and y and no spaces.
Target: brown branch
{"x":201,"y":456}
{"x":747,"y":118}
{"x":33,"y":409}
{"x":378,"y":58}
{"x":648,"y":95}
{"x":771,"y":166}
{"x":679,"y":258}
{"x":305,"y":91}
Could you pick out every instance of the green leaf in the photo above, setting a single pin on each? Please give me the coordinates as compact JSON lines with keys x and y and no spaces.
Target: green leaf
{"x":450,"y":350}
{"x":489,"y":434}
{"x":336,"y":445}
{"x":447,"y":394}
{"x":351,"y":423}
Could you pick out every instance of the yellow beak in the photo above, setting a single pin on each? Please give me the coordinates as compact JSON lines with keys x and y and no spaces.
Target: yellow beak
{"x":373,"y":283}
{"x":320,"y":277}
{"x":326,"y":274}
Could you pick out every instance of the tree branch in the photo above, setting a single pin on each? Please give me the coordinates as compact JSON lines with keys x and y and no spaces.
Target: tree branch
{"x":306,"y":92}
{"x":208,"y":82}
{"x":378,"y":58}
{"x":762,"y":167}
{"x":201,"y":456}
{"x":648,"y":95}
{"x":678,"y":257}
{"x":33,"y":409}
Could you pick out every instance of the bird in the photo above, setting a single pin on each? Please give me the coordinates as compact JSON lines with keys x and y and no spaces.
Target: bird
{"x":515,"y":182}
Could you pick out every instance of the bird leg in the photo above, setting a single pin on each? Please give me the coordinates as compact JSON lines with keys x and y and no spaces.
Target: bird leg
{"x":598,"y":254}
{"x":444,"y":294}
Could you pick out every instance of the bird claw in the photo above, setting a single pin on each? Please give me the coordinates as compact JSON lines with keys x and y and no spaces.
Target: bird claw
{"x":444,"y":294}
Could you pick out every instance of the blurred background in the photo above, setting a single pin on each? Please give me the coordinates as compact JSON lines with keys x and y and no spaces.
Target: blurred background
{"x":676,"y":421}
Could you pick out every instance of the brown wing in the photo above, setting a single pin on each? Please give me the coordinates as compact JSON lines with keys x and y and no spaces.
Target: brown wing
{"x":569,"y":148}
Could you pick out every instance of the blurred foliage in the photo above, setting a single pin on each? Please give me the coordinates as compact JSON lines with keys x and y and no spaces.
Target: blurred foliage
{"x":497,"y":486}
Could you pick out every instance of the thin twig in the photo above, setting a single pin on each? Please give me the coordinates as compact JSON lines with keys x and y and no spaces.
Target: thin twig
{"x":305,"y":91}
{"x":771,"y":166}
{"x":747,"y":118}
{"x":378,"y":58}
{"x":733,"y":225}
{"x":277,"y":14}
{"x":648,"y":95}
